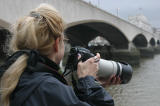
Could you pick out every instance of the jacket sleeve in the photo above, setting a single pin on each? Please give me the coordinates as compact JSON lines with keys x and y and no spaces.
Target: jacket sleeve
{"x":92,"y":93}
{"x":54,"y":93}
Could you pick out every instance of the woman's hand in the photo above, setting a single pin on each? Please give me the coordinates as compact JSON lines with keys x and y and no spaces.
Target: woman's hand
{"x":113,"y":80}
{"x":89,"y":67}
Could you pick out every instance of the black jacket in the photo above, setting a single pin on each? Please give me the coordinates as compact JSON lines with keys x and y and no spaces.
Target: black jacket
{"x":42,"y":85}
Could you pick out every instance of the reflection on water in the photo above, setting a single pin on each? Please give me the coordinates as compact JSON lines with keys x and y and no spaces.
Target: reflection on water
{"x":144,"y":87}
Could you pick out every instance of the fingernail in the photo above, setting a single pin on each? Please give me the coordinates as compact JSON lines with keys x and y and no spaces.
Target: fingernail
{"x":96,"y":59}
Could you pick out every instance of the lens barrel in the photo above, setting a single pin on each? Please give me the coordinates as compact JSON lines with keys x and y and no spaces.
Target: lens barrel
{"x":126,"y":73}
{"x":121,"y":69}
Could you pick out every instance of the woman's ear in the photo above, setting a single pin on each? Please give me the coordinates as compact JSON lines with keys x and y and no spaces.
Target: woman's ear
{"x":56,"y":45}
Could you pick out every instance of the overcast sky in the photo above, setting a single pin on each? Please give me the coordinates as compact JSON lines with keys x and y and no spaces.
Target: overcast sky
{"x":149,"y":8}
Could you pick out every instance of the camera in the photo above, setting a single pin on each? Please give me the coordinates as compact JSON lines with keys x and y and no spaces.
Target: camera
{"x":106,"y":67}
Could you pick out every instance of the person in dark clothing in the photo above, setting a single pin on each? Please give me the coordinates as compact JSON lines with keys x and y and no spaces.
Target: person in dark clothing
{"x":31,"y":77}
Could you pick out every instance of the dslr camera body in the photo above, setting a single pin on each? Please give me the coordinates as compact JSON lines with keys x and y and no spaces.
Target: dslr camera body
{"x":106,"y":67}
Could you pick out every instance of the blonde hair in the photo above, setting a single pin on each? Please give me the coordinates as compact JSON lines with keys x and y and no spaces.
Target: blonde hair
{"x":36,"y":31}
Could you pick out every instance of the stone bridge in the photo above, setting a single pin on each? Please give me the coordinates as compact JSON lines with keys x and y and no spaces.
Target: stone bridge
{"x":84,"y":22}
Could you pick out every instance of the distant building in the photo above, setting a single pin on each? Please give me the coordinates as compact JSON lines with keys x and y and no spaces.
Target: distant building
{"x":141,"y":21}
{"x":98,"y":41}
{"x":156,"y":32}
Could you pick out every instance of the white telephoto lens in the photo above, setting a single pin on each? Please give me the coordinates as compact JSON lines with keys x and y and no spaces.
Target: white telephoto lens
{"x":107,"y":68}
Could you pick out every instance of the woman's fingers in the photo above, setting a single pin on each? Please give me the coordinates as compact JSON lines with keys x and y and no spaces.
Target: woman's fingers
{"x":98,"y":55}
{"x":112,"y":80}
{"x":118,"y":81}
{"x":89,"y":67}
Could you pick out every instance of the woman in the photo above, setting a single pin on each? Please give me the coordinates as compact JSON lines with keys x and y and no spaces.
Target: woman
{"x":30,"y":76}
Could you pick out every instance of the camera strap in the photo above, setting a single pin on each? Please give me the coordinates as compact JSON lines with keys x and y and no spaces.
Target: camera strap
{"x":75,"y":85}
{"x":70,"y":67}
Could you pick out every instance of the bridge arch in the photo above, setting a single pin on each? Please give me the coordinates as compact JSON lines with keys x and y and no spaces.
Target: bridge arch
{"x":82,"y":32}
{"x":4,"y":33}
{"x":158,"y":42}
{"x":140,"y":41}
{"x":152,"y":42}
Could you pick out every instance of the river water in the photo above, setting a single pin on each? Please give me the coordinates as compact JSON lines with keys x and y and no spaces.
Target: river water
{"x":144,"y":87}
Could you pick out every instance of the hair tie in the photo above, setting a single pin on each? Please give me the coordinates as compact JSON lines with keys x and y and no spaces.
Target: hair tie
{"x":36,"y":15}
{"x":33,"y":58}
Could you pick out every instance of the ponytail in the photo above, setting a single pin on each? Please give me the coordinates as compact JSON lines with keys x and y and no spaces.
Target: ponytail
{"x":10,"y":79}
{"x":36,"y":31}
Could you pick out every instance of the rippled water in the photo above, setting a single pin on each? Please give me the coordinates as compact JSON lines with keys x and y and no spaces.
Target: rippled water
{"x":144,"y":87}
